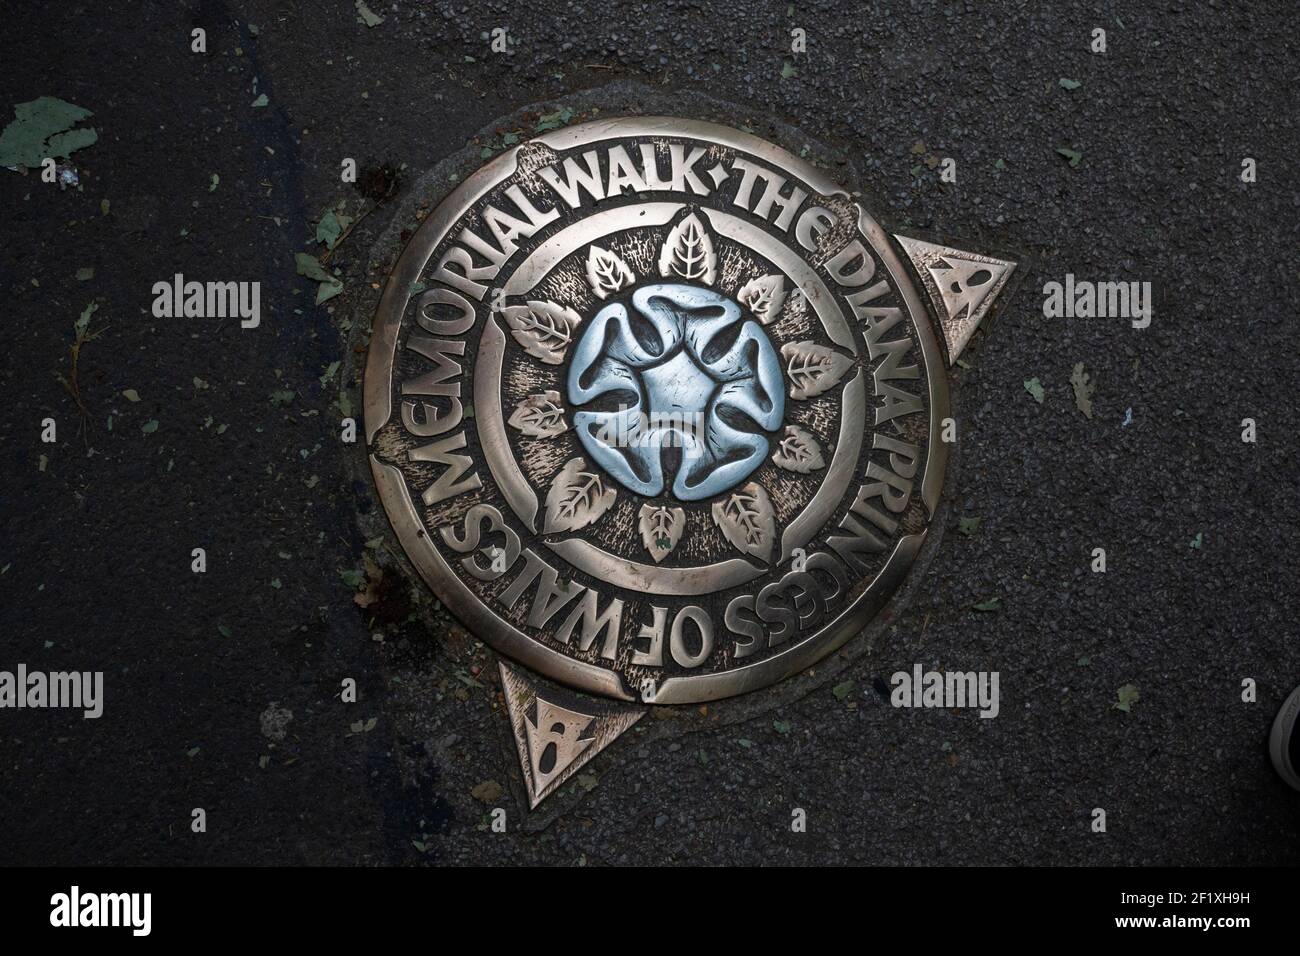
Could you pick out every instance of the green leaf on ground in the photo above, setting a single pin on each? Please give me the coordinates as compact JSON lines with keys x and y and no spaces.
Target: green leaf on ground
{"x":1035,"y":388}
{"x":781,"y":726}
{"x":1083,"y":389}
{"x":83,"y":322}
{"x":309,"y":266}
{"x":788,"y":70}
{"x":328,"y":290}
{"x":331,"y":226}
{"x":1070,"y":84}
{"x":968,"y":526}
{"x":1128,"y":696}
{"x":1073,"y":156}
{"x":43,"y":128}
{"x":842,"y":690}
{"x":65,"y":144}
{"x":553,"y":120}
{"x":992,"y":604}
{"x":366,"y":16}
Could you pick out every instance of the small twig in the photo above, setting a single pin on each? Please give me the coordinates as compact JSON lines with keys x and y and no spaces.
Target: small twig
{"x":72,"y":382}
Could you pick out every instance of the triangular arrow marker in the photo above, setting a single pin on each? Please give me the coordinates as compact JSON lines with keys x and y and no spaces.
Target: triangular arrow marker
{"x":962,"y":287}
{"x":557,"y":732}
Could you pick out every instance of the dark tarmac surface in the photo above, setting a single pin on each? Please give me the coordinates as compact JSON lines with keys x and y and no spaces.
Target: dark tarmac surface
{"x":97,"y":541}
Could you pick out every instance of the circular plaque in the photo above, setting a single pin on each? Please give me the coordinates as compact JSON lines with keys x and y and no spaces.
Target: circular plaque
{"x":654,"y":407}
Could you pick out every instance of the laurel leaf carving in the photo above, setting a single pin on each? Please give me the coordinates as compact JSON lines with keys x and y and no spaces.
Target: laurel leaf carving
{"x":763,"y":296}
{"x":798,"y":451}
{"x":607,"y":273}
{"x":576,"y":499}
{"x":747,"y":520}
{"x":544,"y":329}
{"x":812,"y":368}
{"x":540,"y":415}
{"x":688,"y":253}
{"x":661,"y":528}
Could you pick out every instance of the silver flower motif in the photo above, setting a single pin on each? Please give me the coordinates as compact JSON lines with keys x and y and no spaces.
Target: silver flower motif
{"x":684,"y":369}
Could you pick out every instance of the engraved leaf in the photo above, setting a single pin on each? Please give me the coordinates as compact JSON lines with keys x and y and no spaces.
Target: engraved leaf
{"x":576,"y":499}
{"x":747,"y":520}
{"x":606,"y":272}
{"x":661,"y":528}
{"x":540,"y":415}
{"x":763,"y":296}
{"x":798,"y":451}
{"x":812,"y":368}
{"x":688,"y":253}
{"x":544,"y":329}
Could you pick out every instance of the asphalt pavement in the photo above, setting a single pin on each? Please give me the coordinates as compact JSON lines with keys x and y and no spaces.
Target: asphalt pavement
{"x":223,"y":689}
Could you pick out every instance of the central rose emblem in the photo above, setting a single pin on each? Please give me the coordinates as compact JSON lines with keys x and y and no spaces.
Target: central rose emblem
{"x":683,"y":368}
